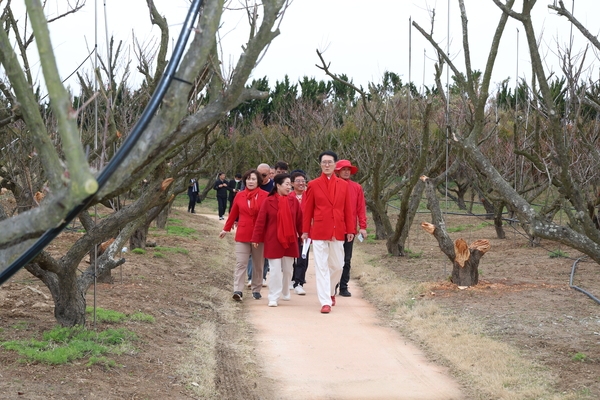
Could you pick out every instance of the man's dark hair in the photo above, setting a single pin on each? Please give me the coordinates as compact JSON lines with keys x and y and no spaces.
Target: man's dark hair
{"x":328,"y":153}
{"x":278,"y":180}
{"x":282,"y":165}
{"x":238,"y":175}
{"x":297,"y":173}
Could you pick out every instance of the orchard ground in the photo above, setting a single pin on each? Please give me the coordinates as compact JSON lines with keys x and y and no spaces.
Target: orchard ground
{"x":521,"y":333}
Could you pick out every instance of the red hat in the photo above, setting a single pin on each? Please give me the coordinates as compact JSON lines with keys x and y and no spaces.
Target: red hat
{"x":345,"y":163}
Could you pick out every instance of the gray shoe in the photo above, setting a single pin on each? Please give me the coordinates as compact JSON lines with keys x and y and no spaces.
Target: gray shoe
{"x":256,"y":295}
{"x":237,"y":296}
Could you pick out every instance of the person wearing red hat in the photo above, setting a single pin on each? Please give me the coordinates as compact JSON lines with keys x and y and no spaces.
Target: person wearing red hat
{"x":328,"y":218}
{"x":344,"y":169}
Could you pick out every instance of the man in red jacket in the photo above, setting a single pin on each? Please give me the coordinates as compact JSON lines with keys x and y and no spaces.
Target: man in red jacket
{"x":328,"y":218}
{"x":344,"y":169}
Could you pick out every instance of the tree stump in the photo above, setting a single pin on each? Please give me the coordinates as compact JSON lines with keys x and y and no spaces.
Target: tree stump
{"x":465,"y":258}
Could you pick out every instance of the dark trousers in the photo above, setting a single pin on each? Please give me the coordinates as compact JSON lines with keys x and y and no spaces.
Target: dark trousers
{"x":222,"y":205}
{"x":346,"y":271}
{"x":300,"y":267}
{"x":192,"y":203}
{"x":265,"y":268}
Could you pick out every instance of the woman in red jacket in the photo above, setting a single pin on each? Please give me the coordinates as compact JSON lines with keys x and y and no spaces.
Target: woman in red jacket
{"x":278,"y":226}
{"x":244,"y":210}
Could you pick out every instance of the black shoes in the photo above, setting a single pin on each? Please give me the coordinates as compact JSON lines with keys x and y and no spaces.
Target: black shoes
{"x":237,"y":296}
{"x":256,"y":295}
{"x":345,"y":293}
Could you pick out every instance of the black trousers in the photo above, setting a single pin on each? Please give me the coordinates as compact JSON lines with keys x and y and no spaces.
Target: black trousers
{"x":192,"y":203}
{"x":222,"y":205}
{"x":346,"y":271}
{"x":300,"y":266}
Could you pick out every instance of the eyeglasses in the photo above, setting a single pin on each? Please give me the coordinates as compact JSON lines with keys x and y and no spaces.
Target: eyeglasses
{"x":327,"y":162}
{"x":264,"y":175}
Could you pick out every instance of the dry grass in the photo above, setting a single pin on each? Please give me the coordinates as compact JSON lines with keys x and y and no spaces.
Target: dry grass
{"x":487,"y":369}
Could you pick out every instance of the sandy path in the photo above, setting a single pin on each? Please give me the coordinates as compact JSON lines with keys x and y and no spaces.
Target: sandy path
{"x":341,"y":355}
{"x":346,"y":354}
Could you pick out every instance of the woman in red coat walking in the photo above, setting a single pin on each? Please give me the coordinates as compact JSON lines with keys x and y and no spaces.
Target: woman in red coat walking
{"x":278,"y":226}
{"x":244,"y":210}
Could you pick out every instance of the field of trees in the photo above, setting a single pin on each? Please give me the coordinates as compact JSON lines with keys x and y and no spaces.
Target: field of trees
{"x":528,"y":153}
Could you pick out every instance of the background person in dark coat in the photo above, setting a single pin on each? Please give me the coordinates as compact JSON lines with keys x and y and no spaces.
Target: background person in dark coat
{"x":221,"y":186}
{"x":192,"y":194}
{"x":234,"y":186}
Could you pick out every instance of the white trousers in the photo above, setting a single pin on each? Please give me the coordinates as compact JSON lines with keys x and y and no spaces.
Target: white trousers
{"x":329,"y":262}
{"x":280,"y":275}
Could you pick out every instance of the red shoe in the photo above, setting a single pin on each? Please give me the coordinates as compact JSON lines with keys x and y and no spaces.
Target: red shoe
{"x":325,"y":310}
{"x":333,"y":300}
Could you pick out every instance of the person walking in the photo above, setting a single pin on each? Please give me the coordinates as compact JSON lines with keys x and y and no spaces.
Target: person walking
{"x":222,"y":189}
{"x":328,"y":218}
{"x":344,"y":169}
{"x":300,"y":266}
{"x":234,"y":186}
{"x":278,"y":226}
{"x":245,"y":209}
{"x":193,"y":195}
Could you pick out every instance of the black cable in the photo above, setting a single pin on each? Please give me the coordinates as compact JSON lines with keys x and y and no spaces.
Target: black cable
{"x":124,"y":150}
{"x":591,"y":296}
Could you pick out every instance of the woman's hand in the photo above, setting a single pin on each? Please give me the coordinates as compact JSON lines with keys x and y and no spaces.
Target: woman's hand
{"x":222,"y":234}
{"x":255,"y":245}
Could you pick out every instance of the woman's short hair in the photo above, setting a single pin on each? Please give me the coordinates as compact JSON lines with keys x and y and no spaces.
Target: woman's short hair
{"x":278,"y":180}
{"x":250,"y":172}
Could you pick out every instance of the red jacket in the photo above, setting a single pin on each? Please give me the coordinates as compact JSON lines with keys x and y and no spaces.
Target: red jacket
{"x":328,"y":217}
{"x":359,"y":206}
{"x":241,"y":211}
{"x":265,"y":229}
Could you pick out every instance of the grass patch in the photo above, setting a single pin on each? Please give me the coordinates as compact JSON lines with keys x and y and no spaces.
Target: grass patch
{"x":109,"y":316}
{"x":138,"y":251}
{"x":471,"y":227}
{"x":557,"y":254}
{"x":579,"y":357}
{"x":158,"y":254}
{"x":178,"y":250}
{"x":142,"y":317}
{"x":62,"y":345}
{"x":180,"y":231}
{"x":174,"y":221}
{"x":413,"y":254}
{"x":21,"y":325}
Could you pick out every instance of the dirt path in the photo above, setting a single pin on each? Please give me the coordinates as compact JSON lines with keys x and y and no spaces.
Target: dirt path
{"x":342,"y":355}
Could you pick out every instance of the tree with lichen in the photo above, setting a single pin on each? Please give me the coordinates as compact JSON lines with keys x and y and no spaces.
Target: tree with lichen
{"x":169,"y":151}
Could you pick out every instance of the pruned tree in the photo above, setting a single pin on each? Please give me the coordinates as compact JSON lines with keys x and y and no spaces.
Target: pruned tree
{"x":167,"y":153}
{"x":465,"y":258}
{"x":556,"y":160}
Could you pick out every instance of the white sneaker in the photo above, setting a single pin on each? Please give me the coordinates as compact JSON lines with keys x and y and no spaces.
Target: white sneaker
{"x":272,"y":304}
{"x":291,"y":285}
{"x":300,"y":290}
{"x":286,"y":298}
{"x":249,"y":284}
{"x":264,"y":282}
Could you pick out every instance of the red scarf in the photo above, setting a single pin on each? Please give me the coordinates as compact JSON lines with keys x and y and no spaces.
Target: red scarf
{"x":286,"y":232}
{"x":251,"y":195}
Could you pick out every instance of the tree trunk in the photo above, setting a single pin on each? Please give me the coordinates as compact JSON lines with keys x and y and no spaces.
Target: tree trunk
{"x":498,"y":222}
{"x":138,"y":238}
{"x":383,"y":226}
{"x":396,"y":246}
{"x":468,"y":275}
{"x":465,"y":259}
{"x":161,"y":220}
{"x":69,"y":305}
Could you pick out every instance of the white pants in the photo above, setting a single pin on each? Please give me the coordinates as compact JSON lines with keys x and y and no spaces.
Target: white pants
{"x":280,"y":275}
{"x":329,"y":262}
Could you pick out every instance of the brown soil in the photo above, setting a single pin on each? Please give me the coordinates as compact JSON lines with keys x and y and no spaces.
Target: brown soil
{"x":523,"y":299}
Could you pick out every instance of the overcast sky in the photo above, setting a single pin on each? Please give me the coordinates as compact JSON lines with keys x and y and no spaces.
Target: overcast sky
{"x":361,"y":39}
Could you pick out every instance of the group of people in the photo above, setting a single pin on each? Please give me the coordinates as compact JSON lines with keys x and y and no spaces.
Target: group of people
{"x":277,"y":215}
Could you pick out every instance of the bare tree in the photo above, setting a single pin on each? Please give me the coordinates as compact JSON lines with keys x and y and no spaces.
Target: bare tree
{"x":162,"y":156}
